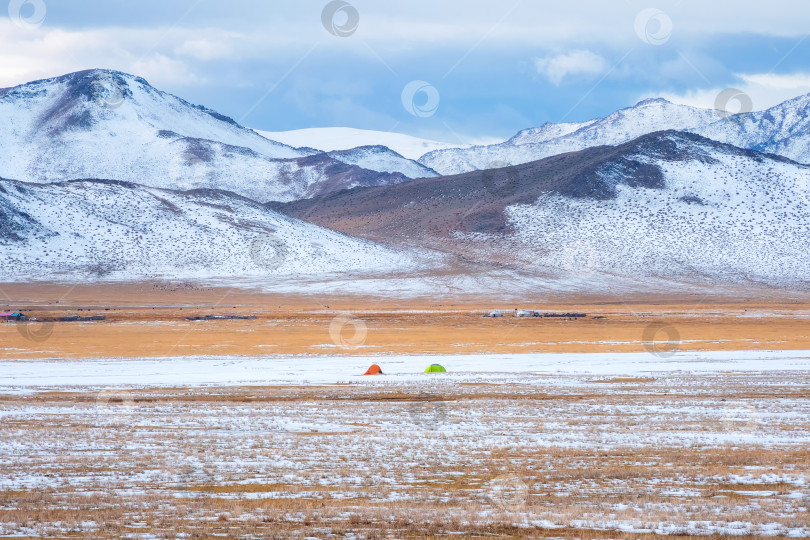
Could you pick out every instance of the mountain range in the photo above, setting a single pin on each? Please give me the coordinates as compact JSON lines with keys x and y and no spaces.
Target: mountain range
{"x":782,"y":130}
{"x":105,"y":176}
{"x":107,"y":124}
{"x":667,"y":205}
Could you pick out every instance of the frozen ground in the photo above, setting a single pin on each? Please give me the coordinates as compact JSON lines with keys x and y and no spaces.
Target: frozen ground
{"x":301,"y":370}
{"x":558,"y":446}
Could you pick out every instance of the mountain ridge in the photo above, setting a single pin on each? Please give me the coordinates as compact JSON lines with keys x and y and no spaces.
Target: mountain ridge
{"x":647,"y":116}
{"x":612,"y":209}
{"x":118,"y":230}
{"x":783,"y":129}
{"x":102,"y":123}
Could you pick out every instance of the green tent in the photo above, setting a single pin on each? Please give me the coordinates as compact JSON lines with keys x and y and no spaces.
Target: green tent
{"x":435,"y":368}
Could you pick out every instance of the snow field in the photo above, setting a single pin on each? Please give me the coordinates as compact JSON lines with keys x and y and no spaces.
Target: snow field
{"x":548,"y":451}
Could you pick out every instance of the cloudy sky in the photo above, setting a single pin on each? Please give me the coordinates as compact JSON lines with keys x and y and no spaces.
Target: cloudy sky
{"x":484,"y":69}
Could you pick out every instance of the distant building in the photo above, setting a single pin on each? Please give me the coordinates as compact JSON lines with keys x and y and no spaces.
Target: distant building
{"x":11,"y":316}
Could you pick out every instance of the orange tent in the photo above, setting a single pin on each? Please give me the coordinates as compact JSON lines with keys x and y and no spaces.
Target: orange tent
{"x":374,"y":370}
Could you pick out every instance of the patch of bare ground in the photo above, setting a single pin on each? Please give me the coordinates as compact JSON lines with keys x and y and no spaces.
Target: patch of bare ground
{"x":577,"y":457}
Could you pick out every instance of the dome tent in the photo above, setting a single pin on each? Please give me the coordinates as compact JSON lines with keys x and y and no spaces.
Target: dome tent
{"x":373,"y":370}
{"x":435,"y":368}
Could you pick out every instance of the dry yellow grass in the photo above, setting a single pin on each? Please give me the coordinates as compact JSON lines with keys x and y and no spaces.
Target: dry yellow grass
{"x":149,"y":320}
{"x":388,"y":460}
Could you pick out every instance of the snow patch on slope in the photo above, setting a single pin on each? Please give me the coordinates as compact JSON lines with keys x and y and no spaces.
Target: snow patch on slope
{"x":342,"y":138}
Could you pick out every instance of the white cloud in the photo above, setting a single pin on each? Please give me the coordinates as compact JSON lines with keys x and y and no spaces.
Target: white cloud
{"x":765,"y":90}
{"x":208,"y":48}
{"x":157,"y":67}
{"x":49,"y":52}
{"x":557,"y":68}
{"x":794,"y":81}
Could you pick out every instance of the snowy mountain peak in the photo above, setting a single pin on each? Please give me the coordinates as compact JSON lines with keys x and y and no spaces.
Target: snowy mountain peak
{"x":783,"y":129}
{"x":669,"y":115}
{"x":108,"y":124}
{"x":108,"y":103}
{"x":652,"y":101}
{"x":84,"y":96}
{"x":75,"y":78}
{"x":383,"y":159}
{"x":648,"y":116}
{"x":370,"y":148}
{"x":546,"y":132}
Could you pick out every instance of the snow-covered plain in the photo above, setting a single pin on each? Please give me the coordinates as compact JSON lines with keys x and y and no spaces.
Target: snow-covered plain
{"x":297,"y":370}
{"x":536,"y":445}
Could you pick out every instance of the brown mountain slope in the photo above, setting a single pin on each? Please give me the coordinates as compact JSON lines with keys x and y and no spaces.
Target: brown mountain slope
{"x":475,"y":202}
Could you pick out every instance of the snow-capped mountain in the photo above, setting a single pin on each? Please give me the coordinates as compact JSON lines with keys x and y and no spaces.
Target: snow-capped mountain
{"x":669,"y":205}
{"x":107,"y":124}
{"x":343,"y":138}
{"x":530,"y":145}
{"x":383,"y":159}
{"x":92,"y":229}
{"x":783,"y":130}
{"x":547,"y":132}
{"x":79,"y":108}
